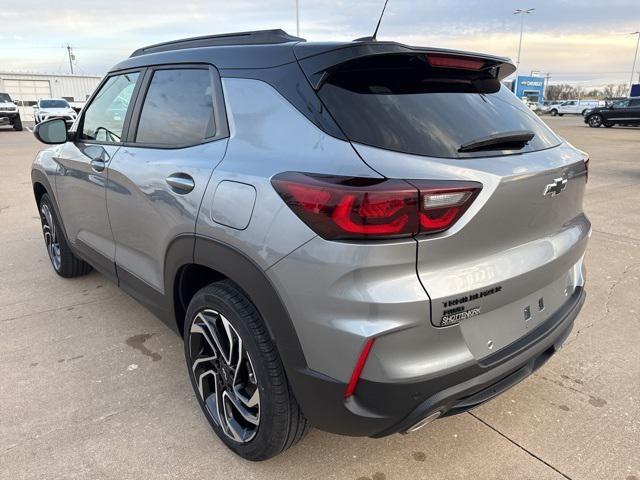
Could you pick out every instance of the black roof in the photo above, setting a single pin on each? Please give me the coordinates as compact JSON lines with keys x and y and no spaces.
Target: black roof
{"x":256,"y":37}
{"x":271,"y":48}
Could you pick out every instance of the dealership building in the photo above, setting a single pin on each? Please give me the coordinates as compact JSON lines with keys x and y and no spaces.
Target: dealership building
{"x":529,"y":87}
{"x":26,"y":88}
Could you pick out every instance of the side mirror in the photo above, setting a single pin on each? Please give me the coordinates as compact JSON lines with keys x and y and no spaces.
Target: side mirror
{"x":51,"y":132}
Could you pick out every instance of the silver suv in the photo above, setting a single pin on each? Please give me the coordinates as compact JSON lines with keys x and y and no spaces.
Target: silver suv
{"x":359,"y":236}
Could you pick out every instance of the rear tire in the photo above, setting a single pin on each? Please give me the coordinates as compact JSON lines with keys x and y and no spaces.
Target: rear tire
{"x":553,"y":112}
{"x":595,"y":121}
{"x":238,"y":376}
{"x":17,"y":124}
{"x":64,"y":262}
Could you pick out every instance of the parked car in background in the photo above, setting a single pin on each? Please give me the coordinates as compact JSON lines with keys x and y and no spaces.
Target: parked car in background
{"x":48,"y":108}
{"x":536,"y":107}
{"x":338,"y":239}
{"x":622,"y":112}
{"x":572,"y":107}
{"x":9,"y":114}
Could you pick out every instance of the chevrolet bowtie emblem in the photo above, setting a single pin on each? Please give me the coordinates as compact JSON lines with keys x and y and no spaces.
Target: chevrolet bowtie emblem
{"x":556,"y":187}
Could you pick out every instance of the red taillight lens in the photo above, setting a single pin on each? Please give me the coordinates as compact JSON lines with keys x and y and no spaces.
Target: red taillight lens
{"x":455,"y":61}
{"x":442,"y":203}
{"x":342,"y":208}
{"x":351,"y":208}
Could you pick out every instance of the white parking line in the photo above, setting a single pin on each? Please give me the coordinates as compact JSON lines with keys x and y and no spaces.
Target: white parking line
{"x":29,"y":130}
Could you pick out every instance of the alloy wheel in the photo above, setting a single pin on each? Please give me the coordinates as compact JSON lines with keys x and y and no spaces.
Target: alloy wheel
{"x":595,"y":121}
{"x":50,"y":236}
{"x":224,"y":375}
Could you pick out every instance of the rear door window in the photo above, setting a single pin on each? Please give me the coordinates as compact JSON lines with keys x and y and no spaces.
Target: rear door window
{"x":178,"y":108}
{"x":401,"y":103}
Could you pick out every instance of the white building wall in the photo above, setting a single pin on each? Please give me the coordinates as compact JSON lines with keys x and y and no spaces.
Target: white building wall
{"x":27,"y":88}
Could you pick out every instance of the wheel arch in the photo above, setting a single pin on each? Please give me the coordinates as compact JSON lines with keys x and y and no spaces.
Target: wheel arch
{"x":194,"y":261}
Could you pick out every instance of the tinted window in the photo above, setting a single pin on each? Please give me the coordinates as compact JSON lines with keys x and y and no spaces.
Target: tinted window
{"x":178,"y":108}
{"x":400,"y":103}
{"x":104,"y":117}
{"x":54,"y":104}
{"x":5,"y":98}
{"x":634,"y":103}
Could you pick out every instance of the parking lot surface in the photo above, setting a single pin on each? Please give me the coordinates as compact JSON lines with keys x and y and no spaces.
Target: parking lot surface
{"x":93,"y":386}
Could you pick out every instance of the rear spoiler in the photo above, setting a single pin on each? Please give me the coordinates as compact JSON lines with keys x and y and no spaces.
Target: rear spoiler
{"x":317,"y":60}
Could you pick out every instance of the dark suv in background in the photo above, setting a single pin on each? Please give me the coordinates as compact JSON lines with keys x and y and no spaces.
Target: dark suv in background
{"x":622,"y":112}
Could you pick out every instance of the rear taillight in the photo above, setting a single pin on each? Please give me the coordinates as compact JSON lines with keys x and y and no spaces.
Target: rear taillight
{"x":343,"y":208}
{"x":442,"y":203}
{"x":455,"y":61}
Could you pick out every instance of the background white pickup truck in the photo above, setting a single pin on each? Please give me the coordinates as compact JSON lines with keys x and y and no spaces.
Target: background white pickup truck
{"x":575,"y":107}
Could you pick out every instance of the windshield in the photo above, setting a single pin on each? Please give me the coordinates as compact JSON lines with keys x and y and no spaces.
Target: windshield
{"x":401,"y":103}
{"x":5,"y":98}
{"x":54,"y":104}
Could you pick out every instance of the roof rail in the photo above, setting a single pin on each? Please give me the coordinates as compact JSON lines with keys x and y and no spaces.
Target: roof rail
{"x":257,"y":37}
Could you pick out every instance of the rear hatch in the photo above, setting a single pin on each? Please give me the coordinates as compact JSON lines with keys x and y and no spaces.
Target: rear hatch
{"x":514,"y":257}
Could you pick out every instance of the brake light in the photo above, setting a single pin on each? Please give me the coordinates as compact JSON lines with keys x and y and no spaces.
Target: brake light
{"x":343,"y":208}
{"x":455,"y":61}
{"x":357,"y":371}
{"x":442,"y":203}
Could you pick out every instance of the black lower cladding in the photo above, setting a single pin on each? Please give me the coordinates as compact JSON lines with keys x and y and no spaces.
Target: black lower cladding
{"x":380,"y":409}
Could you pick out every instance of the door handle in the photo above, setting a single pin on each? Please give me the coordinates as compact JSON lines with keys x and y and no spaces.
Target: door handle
{"x":98,"y":165}
{"x":180,"y":182}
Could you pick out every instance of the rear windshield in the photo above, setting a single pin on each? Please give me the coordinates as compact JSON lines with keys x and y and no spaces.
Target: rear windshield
{"x":401,"y":103}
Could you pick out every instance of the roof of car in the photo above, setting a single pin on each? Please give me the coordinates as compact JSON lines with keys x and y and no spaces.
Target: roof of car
{"x":255,"y":49}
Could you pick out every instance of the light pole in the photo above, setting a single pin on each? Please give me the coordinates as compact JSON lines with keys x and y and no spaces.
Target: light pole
{"x":297,"y":18}
{"x":635,"y":57}
{"x":522,"y":13}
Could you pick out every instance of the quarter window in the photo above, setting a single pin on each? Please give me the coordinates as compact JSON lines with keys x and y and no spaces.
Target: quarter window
{"x":104,"y":117}
{"x":178,"y":108}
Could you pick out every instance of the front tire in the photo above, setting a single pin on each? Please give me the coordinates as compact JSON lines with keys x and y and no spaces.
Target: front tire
{"x":64,"y":262}
{"x":595,"y":121}
{"x":238,"y":376}
{"x":553,"y":112}
{"x":17,"y":124}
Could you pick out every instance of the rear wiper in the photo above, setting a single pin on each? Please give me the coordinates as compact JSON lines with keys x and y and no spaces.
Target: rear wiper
{"x":499,"y":141}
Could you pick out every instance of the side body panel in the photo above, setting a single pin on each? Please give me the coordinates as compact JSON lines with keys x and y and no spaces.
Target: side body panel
{"x":146,"y":213}
{"x":268,"y":136}
{"x":81,"y":196}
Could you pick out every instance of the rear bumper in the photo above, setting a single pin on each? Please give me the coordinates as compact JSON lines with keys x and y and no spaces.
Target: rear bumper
{"x":380,"y":409}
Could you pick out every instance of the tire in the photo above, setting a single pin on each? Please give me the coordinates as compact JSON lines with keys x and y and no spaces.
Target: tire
{"x":64,"y":262}
{"x":560,"y":114}
{"x":608,"y":125}
{"x":17,"y":124}
{"x":553,"y":112}
{"x":260,"y":426}
{"x":595,"y":121}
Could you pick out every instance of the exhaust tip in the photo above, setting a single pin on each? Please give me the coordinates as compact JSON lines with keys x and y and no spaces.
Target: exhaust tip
{"x":425,"y":421}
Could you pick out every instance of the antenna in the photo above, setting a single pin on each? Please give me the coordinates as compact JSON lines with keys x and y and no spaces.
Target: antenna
{"x":375,"y":33}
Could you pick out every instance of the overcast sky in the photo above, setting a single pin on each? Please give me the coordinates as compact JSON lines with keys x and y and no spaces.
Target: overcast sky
{"x":582,"y":41}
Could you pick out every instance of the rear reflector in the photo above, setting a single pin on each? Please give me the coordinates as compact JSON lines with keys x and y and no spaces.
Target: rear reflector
{"x":357,"y":371}
{"x":354,"y":208}
{"x":455,"y":62}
